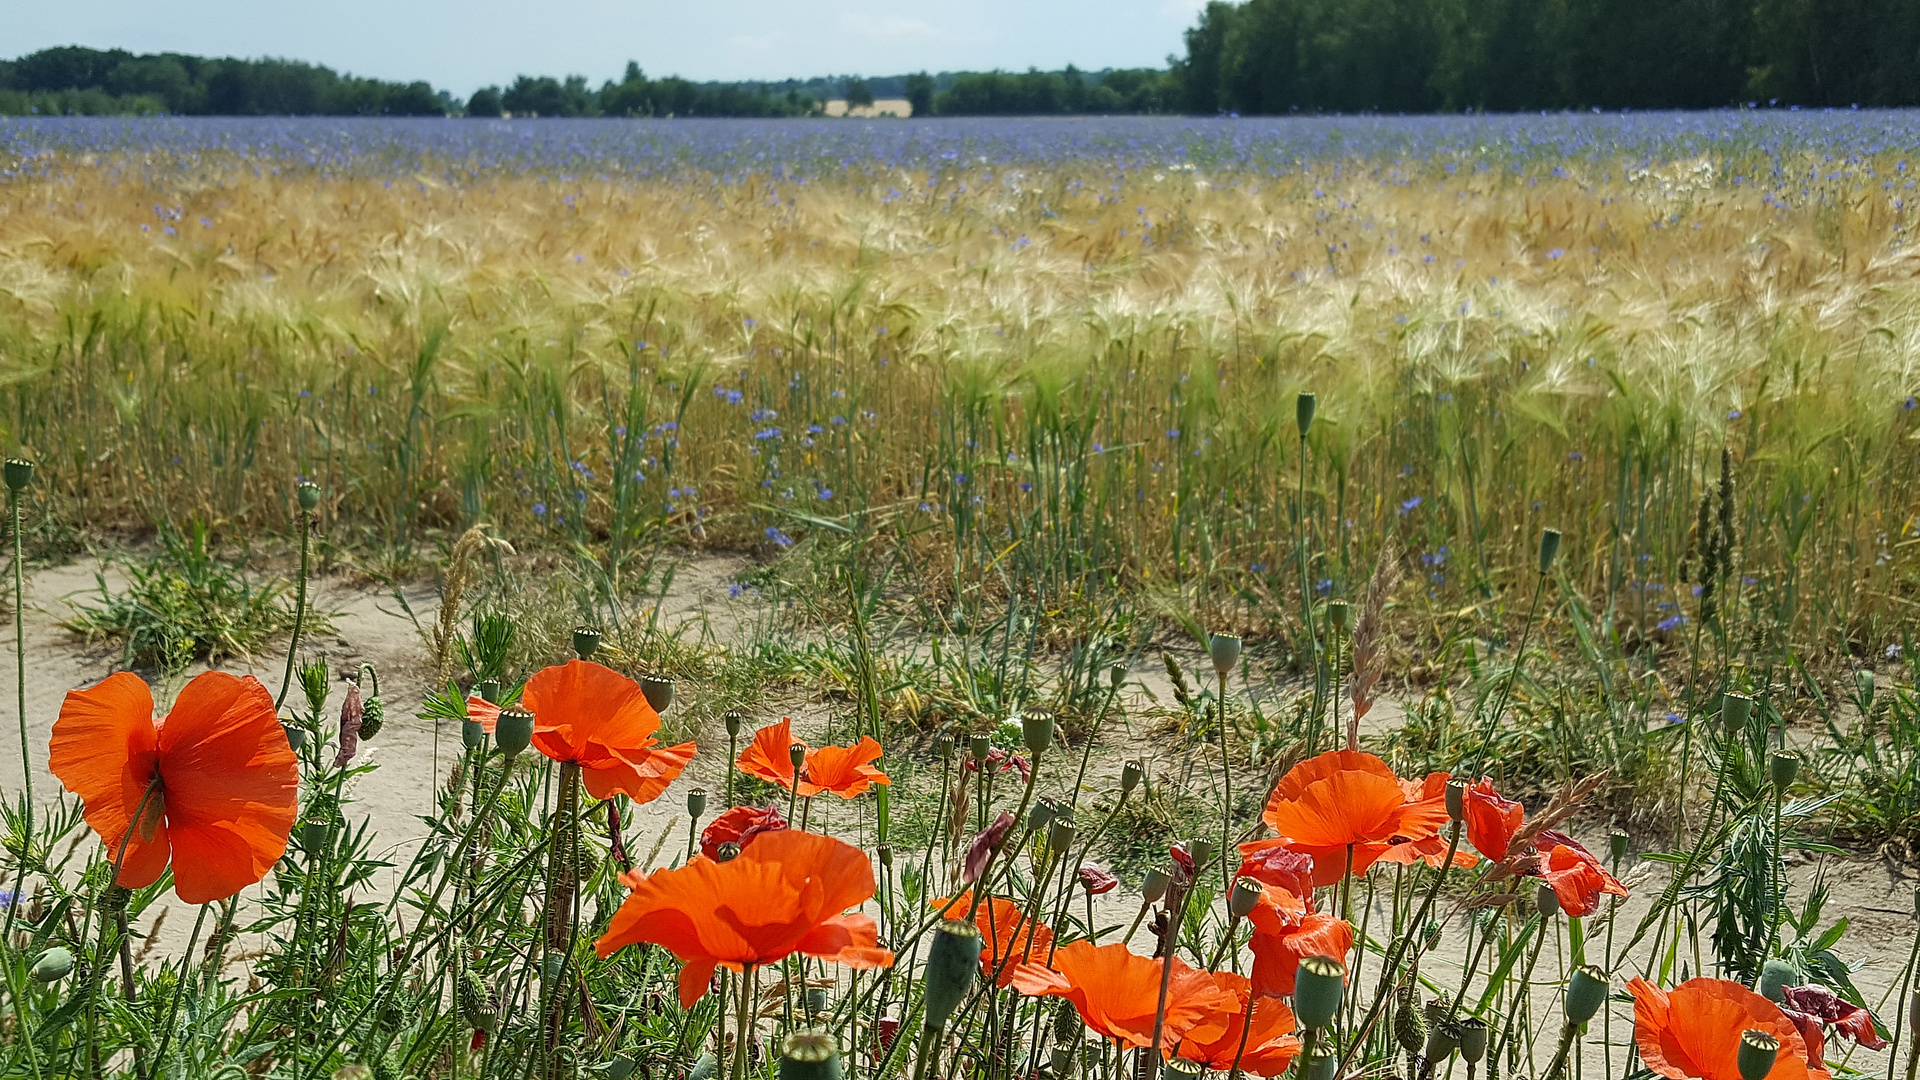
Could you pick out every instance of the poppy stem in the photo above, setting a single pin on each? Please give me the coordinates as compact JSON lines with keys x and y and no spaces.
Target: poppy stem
{"x":299,"y":607}
{"x":179,"y":991}
{"x":20,"y":671}
{"x":1513,"y":675}
{"x":741,"y":1036}
{"x":1246,"y":1028}
{"x":1168,"y":939}
{"x":1398,"y":953}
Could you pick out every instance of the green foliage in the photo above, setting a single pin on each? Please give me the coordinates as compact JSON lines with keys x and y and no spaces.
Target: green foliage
{"x":1041,"y":93}
{"x":72,"y":79}
{"x":859,"y":94}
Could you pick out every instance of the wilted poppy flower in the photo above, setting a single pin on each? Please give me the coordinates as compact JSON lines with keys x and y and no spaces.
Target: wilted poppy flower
{"x":1285,"y":934}
{"x":1578,"y":879}
{"x":1116,"y":991}
{"x":1347,"y":800}
{"x":739,"y":826}
{"x":1280,"y":867}
{"x":1270,"y":1043}
{"x":1491,"y":820}
{"x":983,"y":847}
{"x":999,"y":761}
{"x":1007,"y":938}
{"x":847,"y":771}
{"x":1812,"y":1006}
{"x":594,"y":717}
{"x":786,"y":893}
{"x":217,"y":778}
{"x":1096,"y":881}
{"x":1693,"y":1032}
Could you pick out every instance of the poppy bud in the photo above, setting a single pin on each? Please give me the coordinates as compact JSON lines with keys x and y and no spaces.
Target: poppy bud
{"x":1775,"y":977}
{"x":1130,"y":777}
{"x":1303,"y":406}
{"x":733,"y":720}
{"x":472,"y":735}
{"x":1340,"y":615}
{"x":1116,"y":675}
{"x":487,"y":690}
{"x":586,"y":641}
{"x":476,"y":1006}
{"x":797,"y":754}
{"x":1473,"y":1038}
{"x":696,"y":802}
{"x":1182,"y":1069}
{"x":1734,"y":711}
{"x":1067,"y":1027}
{"x":19,"y":474}
{"x":1430,"y":937}
{"x":1546,"y":901}
{"x":1586,"y":992}
{"x":1863,"y":679}
{"x":1036,"y":732}
{"x":373,"y":718}
{"x":952,"y":962}
{"x":1322,"y":1060}
{"x":513,"y":730}
{"x":706,"y":1067}
{"x":1409,"y":1027}
{"x":1457,"y":799}
{"x":1201,"y":849}
{"x":54,"y":964}
{"x":1783,"y":766}
{"x":981,"y":745}
{"x":1442,"y":1040}
{"x":1549,"y":549}
{"x":1225,"y":650}
{"x":1758,"y":1050}
{"x":308,"y":493}
{"x":658,"y":690}
{"x":1617,"y":845}
{"x":1060,"y":834}
{"x":1244,"y":898}
{"x":1317,"y":990}
{"x":1060,"y":1062}
{"x":1154,"y":885}
{"x":296,"y":737}
{"x":620,"y":1067}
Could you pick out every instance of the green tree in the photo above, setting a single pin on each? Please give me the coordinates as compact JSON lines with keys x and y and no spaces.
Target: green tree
{"x":485,"y":102}
{"x":859,"y":94}
{"x":920,"y":94}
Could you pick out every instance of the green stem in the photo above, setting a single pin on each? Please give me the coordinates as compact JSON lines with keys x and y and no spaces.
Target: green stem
{"x":299,"y":609}
{"x":1398,"y":953}
{"x":1513,"y":676}
{"x":179,"y":991}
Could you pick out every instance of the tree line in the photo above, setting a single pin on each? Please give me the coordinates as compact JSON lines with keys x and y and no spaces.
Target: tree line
{"x":114,"y":81}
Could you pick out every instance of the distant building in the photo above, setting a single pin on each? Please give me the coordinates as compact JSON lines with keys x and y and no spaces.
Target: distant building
{"x":899,"y":107}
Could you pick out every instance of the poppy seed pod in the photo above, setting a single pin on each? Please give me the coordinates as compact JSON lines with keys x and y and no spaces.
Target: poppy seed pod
{"x":1060,"y":1061}
{"x":1913,"y":1011}
{"x":1586,"y":992}
{"x":1783,"y":766}
{"x":1863,"y":680}
{"x":1041,"y":815}
{"x":1442,"y":1040}
{"x":472,"y":734}
{"x":1244,"y":898}
{"x":1457,"y":799}
{"x":952,"y":962}
{"x":1116,"y":675}
{"x":1775,"y":977}
{"x":726,"y":852}
{"x":696,"y":802}
{"x":658,"y":690}
{"x":943,"y":748}
{"x":316,"y":837}
{"x":1184,"y":1069}
{"x":981,"y":746}
{"x":1201,"y":849}
{"x":1473,"y":1038}
{"x":1340,"y":615}
{"x":553,"y":964}
{"x":53,"y":965}
{"x":513,"y":730}
{"x":1549,"y":549}
{"x":1734,"y":711}
{"x":1060,"y":834}
{"x":620,"y":1067}
{"x":816,"y":1000}
{"x":1322,"y":1061}
{"x":1154,"y":885}
{"x":1130,"y":774}
{"x":732,"y":719}
{"x":19,"y":474}
{"x":1303,"y":406}
{"x":884,"y":853}
{"x":1317,"y":990}
{"x":1617,"y":845}
{"x":1758,"y":1051}
{"x":307,"y":493}
{"x":1036,"y":732}
{"x":797,"y":753}
{"x":586,"y":641}
{"x":487,"y":690}
{"x":296,"y":737}
{"x":1225,"y":651}
{"x":1546,"y":901}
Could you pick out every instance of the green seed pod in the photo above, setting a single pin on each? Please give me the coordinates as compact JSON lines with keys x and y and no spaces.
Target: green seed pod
{"x":816,"y":1000}
{"x":1225,"y":651}
{"x":706,"y":1068}
{"x":1154,"y":885}
{"x":1060,"y":835}
{"x":316,"y":837}
{"x":1036,"y":732}
{"x":620,"y":1067}
{"x":884,"y":853}
{"x":1409,"y":1026}
{"x":1734,"y":711}
{"x":943,"y":747}
{"x":296,"y":737}
{"x":1913,"y":1011}
{"x":1758,"y":1051}
{"x":1442,"y":1040}
{"x":1244,"y":898}
{"x":1201,"y":849}
{"x":1303,"y":407}
{"x":487,"y":690}
{"x":1322,"y":1060}
{"x":472,"y":735}
{"x":307,"y":493}
{"x":19,"y":473}
{"x":658,"y":690}
{"x":1546,"y":901}
{"x":53,"y":965}
{"x":981,"y":745}
{"x":513,"y":730}
{"x":1586,"y":992}
{"x":1473,"y":1038}
{"x":1340,"y":615}
{"x":1783,"y":767}
{"x":726,"y":852}
{"x":1130,"y":774}
{"x":1182,"y":1069}
{"x":1775,"y":977}
{"x":586,"y":641}
{"x":809,"y":1055}
{"x":1067,"y":1027}
{"x":1116,"y":675}
{"x":373,"y":718}
{"x":1549,"y":549}
{"x":1041,"y":815}
{"x":1317,"y":990}
{"x":953,"y":959}
{"x":733,"y":720}
{"x":1457,"y":800}
{"x":1617,"y":845}
{"x":696,"y":802}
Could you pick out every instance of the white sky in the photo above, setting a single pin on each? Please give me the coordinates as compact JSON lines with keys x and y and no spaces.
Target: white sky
{"x":460,"y":45}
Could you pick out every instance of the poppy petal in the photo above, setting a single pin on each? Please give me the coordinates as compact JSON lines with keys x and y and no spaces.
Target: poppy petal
{"x":231,"y":785}
{"x":106,"y":751}
{"x":769,"y":755}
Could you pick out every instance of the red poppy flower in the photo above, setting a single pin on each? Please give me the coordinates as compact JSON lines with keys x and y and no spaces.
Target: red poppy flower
{"x":1491,"y":820}
{"x":1693,"y":1032}
{"x":1270,"y":1043}
{"x":1810,"y":1007}
{"x":847,"y":771}
{"x":223,"y":781}
{"x":784,"y":894}
{"x":1283,"y":937}
{"x":739,"y":826}
{"x":1578,"y":880}
{"x":1116,"y":992}
{"x":1007,"y":938}
{"x":1348,"y":800}
{"x":600,"y":720}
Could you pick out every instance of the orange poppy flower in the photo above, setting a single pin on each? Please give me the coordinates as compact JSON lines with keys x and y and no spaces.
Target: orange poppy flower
{"x":739,"y":826}
{"x":1693,"y":1032}
{"x":1285,"y":934}
{"x":1003,"y":934}
{"x":1271,"y":1044}
{"x":1116,"y":992}
{"x":1492,"y":821}
{"x":1347,"y":799}
{"x":224,"y":783}
{"x":598,"y":719}
{"x":1578,"y":880}
{"x":847,"y":771}
{"x":786,"y":893}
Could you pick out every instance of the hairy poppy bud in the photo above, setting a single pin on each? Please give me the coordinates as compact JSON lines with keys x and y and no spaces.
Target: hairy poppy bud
{"x":1225,"y":651}
{"x":733,"y":720}
{"x":1734,"y":711}
{"x":1775,"y":977}
{"x":53,"y":965}
{"x":19,"y":474}
{"x":476,"y":1005}
{"x":1549,"y":549}
{"x":1340,"y":615}
{"x":696,"y":802}
{"x":513,"y":730}
{"x":1067,"y":1027}
{"x":953,"y":959}
{"x":1473,"y":1038}
{"x":1586,"y":992}
{"x":1303,"y":406}
{"x":308,"y":493}
{"x":1758,"y":1051}
{"x":1130,"y":774}
{"x":1154,"y":885}
{"x":1317,"y":990}
{"x":1430,"y":936}
{"x":586,"y":641}
{"x":1409,"y":1026}
{"x":1457,"y":799}
{"x":487,"y":690}
{"x":658,"y":690}
{"x":1036,"y":732}
{"x":1244,"y":898}
{"x":1322,"y":1061}
{"x":1783,"y":766}
{"x":373,"y":717}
